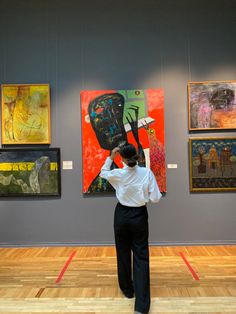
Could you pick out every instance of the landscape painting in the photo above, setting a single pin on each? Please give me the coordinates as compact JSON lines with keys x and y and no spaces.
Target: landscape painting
{"x":115,"y":117}
{"x":25,"y":114}
{"x":30,"y":172}
{"x":212,"y":105}
{"x":212,"y":164}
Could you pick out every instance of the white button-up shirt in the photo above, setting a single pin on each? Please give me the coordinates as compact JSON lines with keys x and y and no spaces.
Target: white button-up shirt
{"x":134,"y":186}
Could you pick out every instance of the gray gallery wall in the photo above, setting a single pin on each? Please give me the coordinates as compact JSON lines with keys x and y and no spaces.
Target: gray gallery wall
{"x":102,"y":44}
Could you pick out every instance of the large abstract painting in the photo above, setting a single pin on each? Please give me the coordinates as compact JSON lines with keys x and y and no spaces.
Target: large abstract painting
{"x":30,"y":172}
{"x":212,"y":164}
{"x":212,"y":105}
{"x":114,"y":117}
{"x":25,"y":114}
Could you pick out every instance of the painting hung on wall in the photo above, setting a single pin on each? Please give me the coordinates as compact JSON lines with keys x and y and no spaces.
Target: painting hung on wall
{"x":212,"y":105}
{"x":115,"y":117}
{"x":212,"y":164}
{"x":25,"y":114}
{"x":30,"y":172}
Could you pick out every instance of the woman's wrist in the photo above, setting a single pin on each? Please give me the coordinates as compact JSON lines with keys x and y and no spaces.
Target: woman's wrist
{"x":114,"y":153}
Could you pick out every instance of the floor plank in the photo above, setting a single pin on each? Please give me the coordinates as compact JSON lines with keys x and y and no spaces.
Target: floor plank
{"x":28,"y":280}
{"x":118,"y":305}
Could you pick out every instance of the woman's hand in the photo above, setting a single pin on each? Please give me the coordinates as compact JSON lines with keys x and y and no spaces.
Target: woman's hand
{"x":114,"y":153}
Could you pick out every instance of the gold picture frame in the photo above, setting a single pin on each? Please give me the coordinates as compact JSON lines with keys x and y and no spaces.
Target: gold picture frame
{"x":25,"y":114}
{"x":212,"y":164}
{"x":212,"y":105}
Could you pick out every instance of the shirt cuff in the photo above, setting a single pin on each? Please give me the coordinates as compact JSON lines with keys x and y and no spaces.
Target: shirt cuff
{"x":108,"y":163}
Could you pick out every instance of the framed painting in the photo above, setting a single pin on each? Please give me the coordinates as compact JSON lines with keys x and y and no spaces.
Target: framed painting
{"x":212,"y":164}
{"x":26,"y":114}
{"x":115,"y":117}
{"x":30,"y":172}
{"x":212,"y":105}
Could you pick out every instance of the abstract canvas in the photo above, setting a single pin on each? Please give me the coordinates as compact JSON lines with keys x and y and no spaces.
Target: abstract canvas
{"x":212,"y":105}
{"x":30,"y":172}
{"x":25,"y":114}
{"x":212,"y":164}
{"x":114,"y":117}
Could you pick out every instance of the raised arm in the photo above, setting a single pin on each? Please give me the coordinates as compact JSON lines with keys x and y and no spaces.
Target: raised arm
{"x":106,"y":172}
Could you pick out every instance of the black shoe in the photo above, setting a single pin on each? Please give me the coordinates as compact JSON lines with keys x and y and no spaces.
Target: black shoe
{"x":128,"y":294}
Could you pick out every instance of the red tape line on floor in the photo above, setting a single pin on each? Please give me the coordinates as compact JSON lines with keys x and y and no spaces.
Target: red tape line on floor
{"x":195,"y":276}
{"x":65,"y":267}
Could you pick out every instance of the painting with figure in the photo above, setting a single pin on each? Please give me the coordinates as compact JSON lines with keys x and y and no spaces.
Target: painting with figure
{"x":25,"y":114}
{"x":212,"y":105}
{"x":30,"y":172}
{"x":115,"y":117}
{"x":212,"y":164}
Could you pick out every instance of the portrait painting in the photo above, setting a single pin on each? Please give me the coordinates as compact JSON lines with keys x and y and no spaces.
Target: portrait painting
{"x":212,"y":164}
{"x":212,"y":105}
{"x":115,"y":117}
{"x":30,"y":172}
{"x":25,"y":114}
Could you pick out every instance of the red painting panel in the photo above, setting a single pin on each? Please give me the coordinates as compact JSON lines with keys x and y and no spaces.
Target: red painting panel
{"x":113,"y":117}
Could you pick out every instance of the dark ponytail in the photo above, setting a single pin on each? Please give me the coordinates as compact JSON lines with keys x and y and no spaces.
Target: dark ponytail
{"x":132,"y":162}
{"x":129,"y":152}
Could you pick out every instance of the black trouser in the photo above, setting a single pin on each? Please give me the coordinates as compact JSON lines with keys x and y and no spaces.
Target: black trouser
{"x":131,"y":234}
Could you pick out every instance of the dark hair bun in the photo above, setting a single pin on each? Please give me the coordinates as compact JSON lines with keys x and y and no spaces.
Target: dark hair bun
{"x":129,"y":152}
{"x":132,"y":163}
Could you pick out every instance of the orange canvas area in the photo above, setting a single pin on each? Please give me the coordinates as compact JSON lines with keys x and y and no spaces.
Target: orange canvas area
{"x":156,"y":111}
{"x":94,"y":156}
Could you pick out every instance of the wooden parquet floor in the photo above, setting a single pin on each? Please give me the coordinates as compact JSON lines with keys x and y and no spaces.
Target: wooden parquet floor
{"x":89,"y":285}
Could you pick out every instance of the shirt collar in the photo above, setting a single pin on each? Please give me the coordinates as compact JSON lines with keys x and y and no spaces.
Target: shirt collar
{"x":127,"y":167}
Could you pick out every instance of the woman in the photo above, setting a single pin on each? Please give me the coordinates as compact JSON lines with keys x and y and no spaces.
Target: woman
{"x":134,"y":186}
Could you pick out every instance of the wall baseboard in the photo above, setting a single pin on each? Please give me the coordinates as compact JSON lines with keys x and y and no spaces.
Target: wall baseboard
{"x":154,"y":243}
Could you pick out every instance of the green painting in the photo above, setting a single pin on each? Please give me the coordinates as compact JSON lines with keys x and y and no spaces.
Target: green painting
{"x":30,"y":172}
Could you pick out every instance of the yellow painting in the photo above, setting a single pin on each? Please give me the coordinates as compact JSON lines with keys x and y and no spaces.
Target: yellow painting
{"x":25,"y":114}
